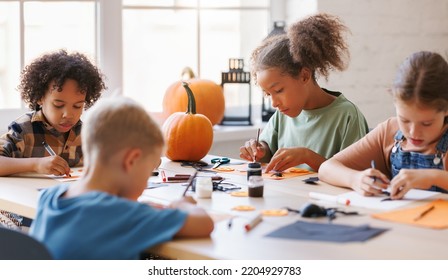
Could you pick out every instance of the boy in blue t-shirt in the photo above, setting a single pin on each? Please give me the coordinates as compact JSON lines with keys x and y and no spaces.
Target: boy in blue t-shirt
{"x":98,"y":217}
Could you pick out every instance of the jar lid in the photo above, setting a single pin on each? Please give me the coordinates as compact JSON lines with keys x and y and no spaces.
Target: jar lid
{"x":254,"y":165}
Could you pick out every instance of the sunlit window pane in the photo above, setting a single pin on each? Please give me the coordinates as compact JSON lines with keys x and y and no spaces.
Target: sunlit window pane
{"x":9,"y":55}
{"x":51,"y":26}
{"x":48,"y":26}
{"x":229,"y":34}
{"x":234,"y":3}
{"x":157,"y":45}
{"x":161,"y":3}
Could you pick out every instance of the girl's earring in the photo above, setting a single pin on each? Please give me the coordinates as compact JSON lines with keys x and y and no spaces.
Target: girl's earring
{"x":437,"y":158}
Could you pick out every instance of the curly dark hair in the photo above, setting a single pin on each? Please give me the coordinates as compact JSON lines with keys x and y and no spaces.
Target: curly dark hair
{"x":316,"y":43}
{"x":58,"y":67}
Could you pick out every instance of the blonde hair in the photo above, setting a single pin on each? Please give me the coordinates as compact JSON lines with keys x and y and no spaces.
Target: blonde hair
{"x":115,"y":123}
{"x":316,"y":42}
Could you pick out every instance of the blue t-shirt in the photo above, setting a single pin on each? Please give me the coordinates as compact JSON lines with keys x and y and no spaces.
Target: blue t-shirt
{"x":97,"y":225}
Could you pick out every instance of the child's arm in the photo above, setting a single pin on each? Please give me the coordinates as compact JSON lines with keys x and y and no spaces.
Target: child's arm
{"x":367,"y":182}
{"x":46,"y":165}
{"x":10,"y":166}
{"x":198,"y":223}
{"x":417,"y":179}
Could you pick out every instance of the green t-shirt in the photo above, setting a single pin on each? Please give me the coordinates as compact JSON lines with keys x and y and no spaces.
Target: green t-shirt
{"x":325,"y":131}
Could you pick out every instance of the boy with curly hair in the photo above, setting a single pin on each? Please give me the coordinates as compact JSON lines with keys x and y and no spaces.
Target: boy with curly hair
{"x":57,"y":88}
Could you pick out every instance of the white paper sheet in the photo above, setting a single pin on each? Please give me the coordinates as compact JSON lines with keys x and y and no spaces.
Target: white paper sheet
{"x":75,"y":173}
{"x":376,"y":202}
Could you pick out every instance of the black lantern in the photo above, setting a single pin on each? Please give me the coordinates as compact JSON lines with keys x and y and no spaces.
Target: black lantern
{"x":237,"y":93}
{"x":266,"y":107}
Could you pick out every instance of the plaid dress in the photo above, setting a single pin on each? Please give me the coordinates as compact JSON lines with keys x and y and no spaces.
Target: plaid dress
{"x":26,"y":134}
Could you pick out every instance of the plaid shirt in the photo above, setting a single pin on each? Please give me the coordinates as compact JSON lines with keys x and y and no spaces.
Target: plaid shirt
{"x":26,"y":134}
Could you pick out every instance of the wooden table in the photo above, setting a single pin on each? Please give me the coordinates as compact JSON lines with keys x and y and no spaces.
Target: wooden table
{"x":399,"y":242}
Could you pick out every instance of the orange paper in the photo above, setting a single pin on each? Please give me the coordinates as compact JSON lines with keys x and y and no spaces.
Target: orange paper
{"x":437,"y":218}
{"x":288,"y":173}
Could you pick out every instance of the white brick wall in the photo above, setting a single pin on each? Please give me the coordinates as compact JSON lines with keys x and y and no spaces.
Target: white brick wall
{"x":384,"y":32}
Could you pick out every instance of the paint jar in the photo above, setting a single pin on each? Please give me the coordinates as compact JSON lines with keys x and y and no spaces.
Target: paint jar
{"x":204,"y":187}
{"x":253,"y":169}
{"x":255,"y":186}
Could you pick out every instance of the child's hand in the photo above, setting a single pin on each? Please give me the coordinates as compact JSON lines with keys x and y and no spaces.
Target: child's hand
{"x":370,"y":182}
{"x":52,"y":165}
{"x":185,"y":201}
{"x":188,"y":199}
{"x":250,"y":150}
{"x":285,"y":158}
{"x":408,"y":179}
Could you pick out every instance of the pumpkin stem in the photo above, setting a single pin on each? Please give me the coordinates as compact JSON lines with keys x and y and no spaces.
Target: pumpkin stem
{"x":187,"y":73}
{"x":191,"y":101}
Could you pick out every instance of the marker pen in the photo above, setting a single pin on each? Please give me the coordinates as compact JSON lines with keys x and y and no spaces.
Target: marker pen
{"x":254,"y":222}
{"x":162,"y":173}
{"x":329,"y":198}
{"x":52,"y":153}
{"x":48,"y":148}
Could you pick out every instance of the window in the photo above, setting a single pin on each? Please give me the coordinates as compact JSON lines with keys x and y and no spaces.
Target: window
{"x":9,"y":54}
{"x":160,"y":38}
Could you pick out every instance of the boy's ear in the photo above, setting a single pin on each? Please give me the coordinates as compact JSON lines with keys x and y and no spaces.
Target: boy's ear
{"x":130,"y":158}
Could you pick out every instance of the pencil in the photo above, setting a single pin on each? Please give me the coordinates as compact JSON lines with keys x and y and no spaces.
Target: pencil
{"x":256,"y":144}
{"x":422,"y":214}
{"x":372,"y":164}
{"x":190,"y":182}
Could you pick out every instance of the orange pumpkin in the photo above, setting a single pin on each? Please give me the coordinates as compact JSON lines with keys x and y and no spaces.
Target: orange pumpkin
{"x":209,"y":98}
{"x":188,"y":136}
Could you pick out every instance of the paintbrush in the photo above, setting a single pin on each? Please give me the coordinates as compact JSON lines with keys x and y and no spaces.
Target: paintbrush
{"x":256,"y":145}
{"x":190,"y":182}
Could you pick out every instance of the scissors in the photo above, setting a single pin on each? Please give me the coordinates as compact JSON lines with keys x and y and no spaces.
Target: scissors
{"x":219,"y":161}
{"x":194,"y":163}
{"x":198,"y":165}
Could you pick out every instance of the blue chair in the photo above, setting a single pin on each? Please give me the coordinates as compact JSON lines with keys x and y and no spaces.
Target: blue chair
{"x":16,"y":245}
